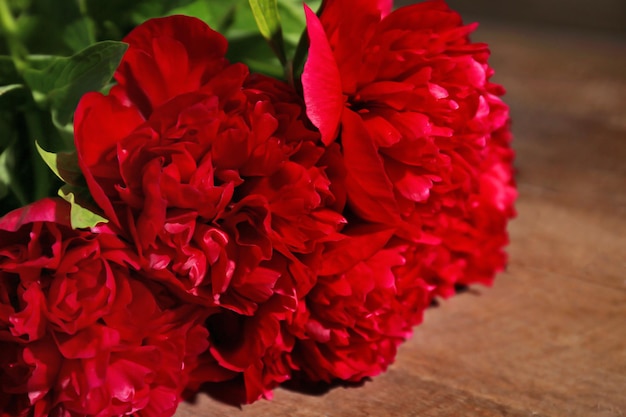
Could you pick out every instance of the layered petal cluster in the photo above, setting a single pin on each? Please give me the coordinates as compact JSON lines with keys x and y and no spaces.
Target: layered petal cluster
{"x":220,"y":181}
{"x":81,"y":332}
{"x":426,"y":171}
{"x":424,"y":135}
{"x":353,"y":322}
{"x":255,"y":233}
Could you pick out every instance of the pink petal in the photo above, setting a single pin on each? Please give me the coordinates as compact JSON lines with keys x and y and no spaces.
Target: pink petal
{"x":46,"y":210}
{"x":385,"y":7}
{"x":321,"y":81}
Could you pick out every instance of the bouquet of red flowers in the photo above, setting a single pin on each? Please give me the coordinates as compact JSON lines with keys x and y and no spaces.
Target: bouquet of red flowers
{"x":231,"y":210}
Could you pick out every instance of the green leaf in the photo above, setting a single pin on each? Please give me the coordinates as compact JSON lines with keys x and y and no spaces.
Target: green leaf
{"x":294,"y":33}
{"x":81,"y":217}
{"x":40,"y":61}
{"x":63,"y":164}
{"x":147,"y":9}
{"x":43,"y":24}
{"x":6,"y":88}
{"x":268,"y":21}
{"x":20,"y":5}
{"x":293,"y":19}
{"x":256,"y":54}
{"x":217,"y":14}
{"x":65,"y":131}
{"x":248,"y":46}
{"x":62,"y":83}
{"x":80,"y":34}
{"x":243,"y":25}
{"x":266,"y":15}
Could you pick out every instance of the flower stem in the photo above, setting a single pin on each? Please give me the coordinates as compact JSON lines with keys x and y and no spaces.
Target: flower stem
{"x":289,"y":75}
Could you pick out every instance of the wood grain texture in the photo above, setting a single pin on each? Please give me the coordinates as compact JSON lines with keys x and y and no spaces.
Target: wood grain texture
{"x":549,"y":339}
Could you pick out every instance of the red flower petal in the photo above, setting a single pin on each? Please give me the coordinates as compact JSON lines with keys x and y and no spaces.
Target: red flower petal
{"x":46,"y":210}
{"x":321,"y":81}
{"x":94,"y":135}
{"x":167,"y":57}
{"x":385,"y":7}
{"x":370,"y":192}
{"x":361,"y":243}
{"x":96,"y":138}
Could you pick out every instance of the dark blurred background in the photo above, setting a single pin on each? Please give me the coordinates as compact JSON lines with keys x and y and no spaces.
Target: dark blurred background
{"x":608,"y":16}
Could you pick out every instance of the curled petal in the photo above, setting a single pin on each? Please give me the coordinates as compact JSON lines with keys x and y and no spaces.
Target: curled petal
{"x":321,"y":81}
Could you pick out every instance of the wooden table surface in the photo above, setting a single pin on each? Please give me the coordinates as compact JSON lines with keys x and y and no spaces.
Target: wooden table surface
{"x":549,"y":338}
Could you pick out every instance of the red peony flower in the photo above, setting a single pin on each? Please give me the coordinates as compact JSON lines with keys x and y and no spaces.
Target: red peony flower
{"x":221,"y":183}
{"x":353,"y":322}
{"x":81,"y":332}
{"x":424,"y":136}
{"x":307,"y":250}
{"x":210,"y":184}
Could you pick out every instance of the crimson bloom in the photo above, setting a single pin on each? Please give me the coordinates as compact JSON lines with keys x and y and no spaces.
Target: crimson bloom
{"x":425,"y":137}
{"x":211,"y":177}
{"x":353,"y":322}
{"x":220,"y":181}
{"x":81,"y":332}
{"x":312,"y":250}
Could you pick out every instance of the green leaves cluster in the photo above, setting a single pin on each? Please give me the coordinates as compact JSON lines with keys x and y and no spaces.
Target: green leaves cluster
{"x":263,"y":34}
{"x":53,"y":52}
{"x":50,"y":58}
